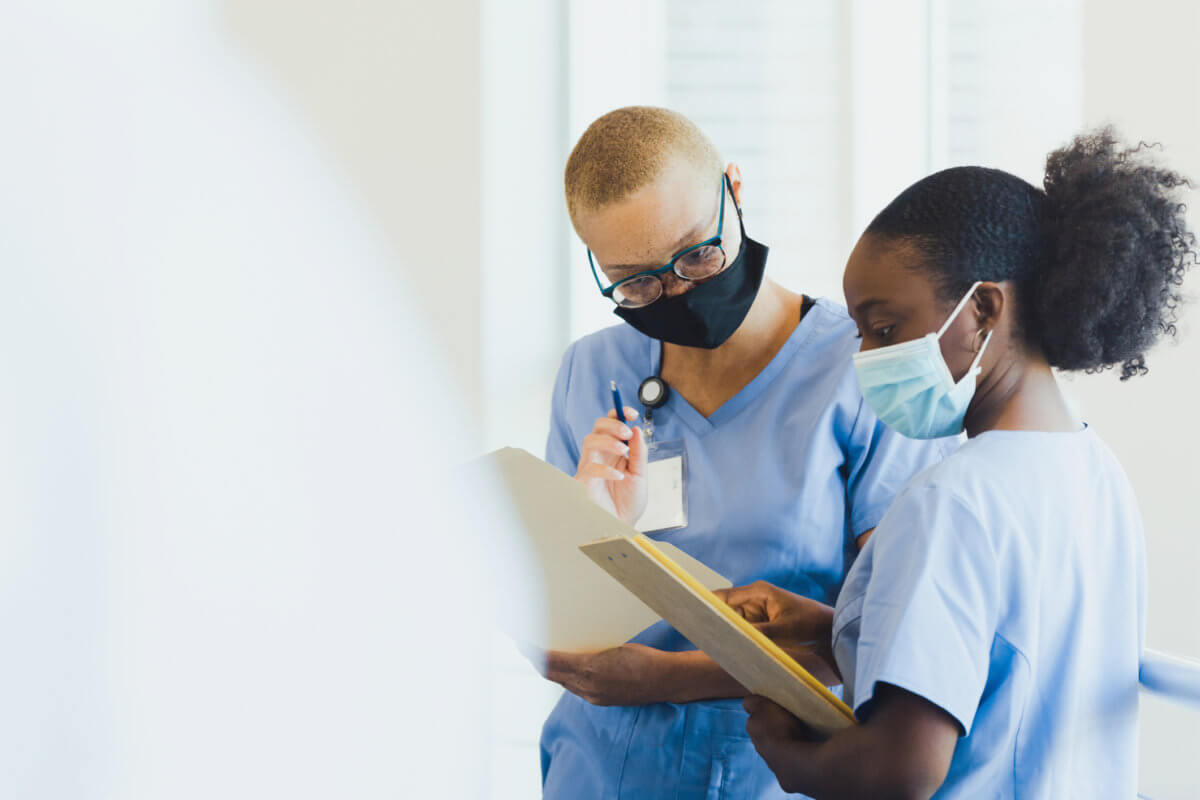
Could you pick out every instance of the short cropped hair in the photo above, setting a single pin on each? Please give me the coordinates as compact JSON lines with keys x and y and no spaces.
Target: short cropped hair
{"x":627,"y":149}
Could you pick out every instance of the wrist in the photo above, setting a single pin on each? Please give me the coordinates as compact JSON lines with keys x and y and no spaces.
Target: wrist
{"x":693,"y":676}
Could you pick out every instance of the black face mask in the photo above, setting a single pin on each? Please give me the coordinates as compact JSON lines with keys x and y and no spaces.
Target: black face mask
{"x":707,"y":314}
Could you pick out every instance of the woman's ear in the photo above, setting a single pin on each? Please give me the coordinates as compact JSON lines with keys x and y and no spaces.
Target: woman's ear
{"x":988,"y":305}
{"x":735,"y":181}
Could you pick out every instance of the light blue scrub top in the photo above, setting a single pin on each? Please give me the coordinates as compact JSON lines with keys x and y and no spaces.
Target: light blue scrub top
{"x":781,"y":481}
{"x":1007,"y":586}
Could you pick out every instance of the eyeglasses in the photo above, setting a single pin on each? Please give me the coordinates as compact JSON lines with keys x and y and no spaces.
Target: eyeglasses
{"x":696,"y":263}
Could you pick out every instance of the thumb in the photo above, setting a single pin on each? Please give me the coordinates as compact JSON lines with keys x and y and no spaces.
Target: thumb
{"x":638,"y":455}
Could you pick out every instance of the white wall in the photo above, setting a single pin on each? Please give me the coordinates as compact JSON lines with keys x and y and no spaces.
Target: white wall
{"x":448,"y":121}
{"x":524,"y":274}
{"x":392,"y":90}
{"x":525,"y":266}
{"x":215,"y":470}
{"x":1142,"y":74}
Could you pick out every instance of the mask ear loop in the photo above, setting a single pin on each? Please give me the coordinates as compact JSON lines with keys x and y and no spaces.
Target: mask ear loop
{"x":978,"y":333}
{"x":979,"y":356}
{"x":959,"y":308}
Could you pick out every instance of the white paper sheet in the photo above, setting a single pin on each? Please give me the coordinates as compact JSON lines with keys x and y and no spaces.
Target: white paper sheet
{"x":586,"y":609}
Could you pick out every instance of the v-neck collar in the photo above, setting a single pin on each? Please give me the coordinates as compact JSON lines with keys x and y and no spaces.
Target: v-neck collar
{"x":748,"y":393}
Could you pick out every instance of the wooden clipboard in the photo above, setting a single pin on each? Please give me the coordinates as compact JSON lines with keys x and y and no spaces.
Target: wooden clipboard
{"x":741,"y":649}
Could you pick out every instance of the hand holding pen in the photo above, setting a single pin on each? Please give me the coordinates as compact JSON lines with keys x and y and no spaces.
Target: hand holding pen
{"x":612,"y":462}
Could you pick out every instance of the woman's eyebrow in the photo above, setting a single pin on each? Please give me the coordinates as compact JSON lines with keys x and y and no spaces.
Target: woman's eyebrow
{"x":690,"y":238}
{"x":867,"y":305}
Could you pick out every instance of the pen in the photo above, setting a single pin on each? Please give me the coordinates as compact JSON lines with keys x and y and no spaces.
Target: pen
{"x":617,"y":402}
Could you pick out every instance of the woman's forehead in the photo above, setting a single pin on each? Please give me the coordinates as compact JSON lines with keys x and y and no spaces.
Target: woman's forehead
{"x":654,"y":222}
{"x":879,"y":269}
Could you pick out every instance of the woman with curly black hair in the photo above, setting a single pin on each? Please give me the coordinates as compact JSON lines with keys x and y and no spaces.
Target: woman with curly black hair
{"x":990,"y":632}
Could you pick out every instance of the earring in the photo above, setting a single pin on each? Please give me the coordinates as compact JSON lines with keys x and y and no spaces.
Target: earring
{"x":977,"y":343}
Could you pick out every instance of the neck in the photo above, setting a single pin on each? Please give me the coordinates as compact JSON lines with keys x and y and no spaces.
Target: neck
{"x":1020,"y":394}
{"x":706,"y":378}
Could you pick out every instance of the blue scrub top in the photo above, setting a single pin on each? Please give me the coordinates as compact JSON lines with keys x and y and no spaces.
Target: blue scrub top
{"x":1007,"y":586}
{"x":781,"y":481}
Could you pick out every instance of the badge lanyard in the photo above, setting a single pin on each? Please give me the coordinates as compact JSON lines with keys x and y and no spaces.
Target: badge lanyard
{"x":652,"y":394}
{"x":666,"y":507}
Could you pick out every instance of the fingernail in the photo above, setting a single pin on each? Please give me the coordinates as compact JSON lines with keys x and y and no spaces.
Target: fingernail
{"x":626,"y":433}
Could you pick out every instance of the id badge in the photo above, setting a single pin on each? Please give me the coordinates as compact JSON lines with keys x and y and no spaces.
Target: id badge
{"x":666,"y":489}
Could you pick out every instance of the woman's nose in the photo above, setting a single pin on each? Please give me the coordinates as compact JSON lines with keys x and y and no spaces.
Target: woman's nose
{"x":673,"y":285}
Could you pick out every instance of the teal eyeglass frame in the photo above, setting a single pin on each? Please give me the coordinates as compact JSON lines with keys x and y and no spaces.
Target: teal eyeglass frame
{"x":715,"y":240}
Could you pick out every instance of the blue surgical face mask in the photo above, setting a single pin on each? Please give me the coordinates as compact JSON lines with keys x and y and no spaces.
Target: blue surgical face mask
{"x":910,"y":387}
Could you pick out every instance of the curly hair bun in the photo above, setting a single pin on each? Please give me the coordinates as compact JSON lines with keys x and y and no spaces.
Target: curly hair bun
{"x":1117,"y":246}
